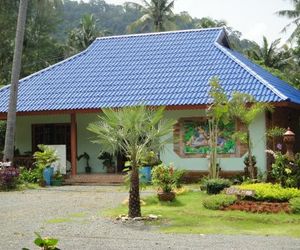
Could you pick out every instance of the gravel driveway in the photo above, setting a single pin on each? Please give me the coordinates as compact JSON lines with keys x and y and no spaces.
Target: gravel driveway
{"x":72,"y":214}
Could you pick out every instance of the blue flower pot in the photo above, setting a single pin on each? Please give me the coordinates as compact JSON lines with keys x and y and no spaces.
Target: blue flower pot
{"x":47,"y":174}
{"x":145,"y":173}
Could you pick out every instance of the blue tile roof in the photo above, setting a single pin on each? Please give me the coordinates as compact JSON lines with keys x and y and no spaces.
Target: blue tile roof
{"x":171,"y":68}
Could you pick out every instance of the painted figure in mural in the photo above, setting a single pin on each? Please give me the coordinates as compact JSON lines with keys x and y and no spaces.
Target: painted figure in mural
{"x":199,"y":139}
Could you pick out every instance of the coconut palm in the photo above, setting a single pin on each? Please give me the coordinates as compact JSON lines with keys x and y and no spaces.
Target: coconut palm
{"x":207,"y":22}
{"x":16,"y":69}
{"x":133,"y":131}
{"x":268,"y":54}
{"x":80,"y":38}
{"x":292,"y":14}
{"x":157,"y":15}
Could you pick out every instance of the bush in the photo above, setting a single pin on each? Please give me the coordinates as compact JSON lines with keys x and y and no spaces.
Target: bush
{"x":215,"y":186}
{"x":8,"y":178}
{"x":284,"y":171}
{"x":219,"y":201}
{"x":271,"y":192}
{"x":30,"y":175}
{"x":295,"y":205}
{"x":166,"y":178}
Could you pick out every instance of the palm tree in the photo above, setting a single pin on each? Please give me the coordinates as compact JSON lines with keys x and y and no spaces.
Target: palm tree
{"x":80,"y":38}
{"x":207,"y":22}
{"x":239,"y":109}
{"x":16,"y":69}
{"x":292,"y":14}
{"x":157,"y":14}
{"x":267,"y":54}
{"x":133,"y":131}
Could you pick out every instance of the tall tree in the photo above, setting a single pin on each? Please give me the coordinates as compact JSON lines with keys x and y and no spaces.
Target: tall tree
{"x":246,"y":109}
{"x":268,"y":54}
{"x":80,"y":38}
{"x":16,"y":68}
{"x":292,"y":14}
{"x":133,"y":131}
{"x":207,"y":22}
{"x":157,"y":15}
{"x":40,"y":48}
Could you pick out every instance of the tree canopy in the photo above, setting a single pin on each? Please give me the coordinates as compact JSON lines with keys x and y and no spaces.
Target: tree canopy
{"x":57,"y":29}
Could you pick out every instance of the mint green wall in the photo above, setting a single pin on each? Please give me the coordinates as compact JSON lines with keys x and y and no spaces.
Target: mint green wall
{"x":23,"y":141}
{"x":85,"y":145}
{"x":257,"y":131}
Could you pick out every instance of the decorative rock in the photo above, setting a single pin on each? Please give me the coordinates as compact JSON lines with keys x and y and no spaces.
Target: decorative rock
{"x":153,"y":217}
{"x":137,"y":219}
{"x":125,"y":218}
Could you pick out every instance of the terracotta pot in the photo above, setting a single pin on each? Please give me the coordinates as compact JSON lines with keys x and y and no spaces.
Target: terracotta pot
{"x":166,"y":196}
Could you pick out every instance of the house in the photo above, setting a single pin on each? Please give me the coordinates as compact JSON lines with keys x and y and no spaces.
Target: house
{"x":172,"y":69}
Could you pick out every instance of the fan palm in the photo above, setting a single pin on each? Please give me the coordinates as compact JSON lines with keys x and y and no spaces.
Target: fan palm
{"x":292,"y":14}
{"x":157,"y":14}
{"x":133,"y":131}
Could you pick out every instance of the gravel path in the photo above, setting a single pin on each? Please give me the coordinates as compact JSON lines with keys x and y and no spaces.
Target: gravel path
{"x":72,"y":214}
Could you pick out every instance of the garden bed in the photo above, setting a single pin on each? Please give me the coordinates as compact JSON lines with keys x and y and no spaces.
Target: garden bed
{"x":259,"y":207}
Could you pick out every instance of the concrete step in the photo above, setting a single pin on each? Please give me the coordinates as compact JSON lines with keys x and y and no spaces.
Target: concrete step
{"x":95,"y":179}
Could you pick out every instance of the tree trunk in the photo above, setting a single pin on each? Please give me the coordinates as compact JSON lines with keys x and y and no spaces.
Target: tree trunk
{"x":13,"y":97}
{"x":250,"y":167}
{"x":134,"y":193}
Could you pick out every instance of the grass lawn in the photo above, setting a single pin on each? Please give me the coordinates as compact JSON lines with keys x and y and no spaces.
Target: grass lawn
{"x":187,"y":215}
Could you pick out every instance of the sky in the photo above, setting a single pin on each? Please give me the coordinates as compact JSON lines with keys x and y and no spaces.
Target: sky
{"x":254,"y":18}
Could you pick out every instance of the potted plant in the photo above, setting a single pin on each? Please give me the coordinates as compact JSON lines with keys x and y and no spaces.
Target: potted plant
{"x":57,"y":179}
{"x":166,"y":179}
{"x":151,"y":159}
{"x":88,"y":168}
{"x":43,"y":160}
{"x":108,"y":162}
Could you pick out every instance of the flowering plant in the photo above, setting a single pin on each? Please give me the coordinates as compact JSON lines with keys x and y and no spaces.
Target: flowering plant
{"x":8,"y":177}
{"x":284,"y":171}
{"x":166,"y":178}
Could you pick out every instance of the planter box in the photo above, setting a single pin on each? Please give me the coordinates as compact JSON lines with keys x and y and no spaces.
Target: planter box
{"x":56,"y":182}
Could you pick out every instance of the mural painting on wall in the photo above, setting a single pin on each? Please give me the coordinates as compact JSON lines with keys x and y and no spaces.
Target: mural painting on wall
{"x":196,"y":137}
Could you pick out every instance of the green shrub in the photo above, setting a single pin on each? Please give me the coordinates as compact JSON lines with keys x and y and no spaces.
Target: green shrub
{"x":30,"y":175}
{"x":216,"y":202}
{"x":271,"y":192}
{"x":166,"y":177}
{"x":295,"y":205}
{"x":215,"y":186}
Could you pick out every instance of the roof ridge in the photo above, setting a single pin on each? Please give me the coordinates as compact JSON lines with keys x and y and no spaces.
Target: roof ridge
{"x":258,"y":77}
{"x":158,"y":33}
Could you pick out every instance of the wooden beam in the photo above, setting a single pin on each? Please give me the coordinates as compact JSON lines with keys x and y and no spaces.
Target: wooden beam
{"x":73,"y":144}
{"x":52,"y":112}
{"x":3,"y":115}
